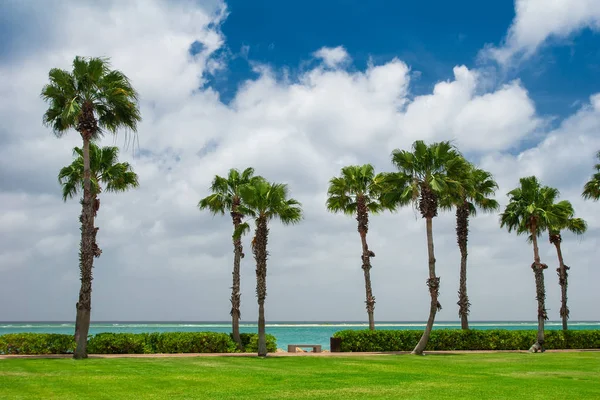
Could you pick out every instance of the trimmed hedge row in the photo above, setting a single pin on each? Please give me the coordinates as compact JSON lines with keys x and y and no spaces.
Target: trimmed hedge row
{"x":454,"y":339}
{"x":131,"y":343}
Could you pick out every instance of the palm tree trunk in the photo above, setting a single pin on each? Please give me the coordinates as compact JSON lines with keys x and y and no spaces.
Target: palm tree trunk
{"x":235,"y":288}
{"x":562,"y":280}
{"x":462,"y":235}
{"x":363,"y":227}
{"x":538,"y":270}
{"x":86,"y":256}
{"x":434,"y":287}
{"x":259,"y":247}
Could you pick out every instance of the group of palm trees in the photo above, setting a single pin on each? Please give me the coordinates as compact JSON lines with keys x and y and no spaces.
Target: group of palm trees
{"x":437,"y":176}
{"x":94,"y":99}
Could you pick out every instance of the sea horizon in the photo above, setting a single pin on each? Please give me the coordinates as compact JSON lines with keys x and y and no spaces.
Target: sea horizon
{"x":286,"y":332}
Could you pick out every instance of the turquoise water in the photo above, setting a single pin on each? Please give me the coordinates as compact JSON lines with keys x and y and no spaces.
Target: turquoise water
{"x":285,"y":332}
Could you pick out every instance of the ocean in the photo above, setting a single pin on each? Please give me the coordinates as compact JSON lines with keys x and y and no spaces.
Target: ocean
{"x":285,"y":332}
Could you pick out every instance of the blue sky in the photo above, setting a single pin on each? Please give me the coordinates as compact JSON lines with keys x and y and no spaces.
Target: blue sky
{"x":430,"y":36}
{"x":288,"y":88}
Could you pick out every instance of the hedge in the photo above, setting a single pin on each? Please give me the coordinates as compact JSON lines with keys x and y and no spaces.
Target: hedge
{"x":130,"y":343}
{"x":36,"y":343}
{"x":454,"y":339}
{"x":250,"y":342}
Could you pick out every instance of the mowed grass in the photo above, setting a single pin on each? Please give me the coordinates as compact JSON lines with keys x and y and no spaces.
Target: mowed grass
{"x":456,"y":376}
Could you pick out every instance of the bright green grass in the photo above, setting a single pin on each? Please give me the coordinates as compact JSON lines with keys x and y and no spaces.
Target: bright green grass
{"x":477,"y":376}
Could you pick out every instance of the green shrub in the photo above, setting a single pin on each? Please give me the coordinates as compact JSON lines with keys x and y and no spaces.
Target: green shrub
{"x":36,"y":343}
{"x":250,"y":342}
{"x":450,"y":339}
{"x":118,"y":343}
{"x":192,"y":342}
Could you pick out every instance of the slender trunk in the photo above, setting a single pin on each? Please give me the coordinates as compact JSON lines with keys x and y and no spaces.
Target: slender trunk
{"x":538,"y":270}
{"x":563,"y":276}
{"x":434,"y":290}
{"x":363,"y":227}
{"x":86,"y":256}
{"x":235,"y":288}
{"x":462,"y":235}
{"x":259,"y":248}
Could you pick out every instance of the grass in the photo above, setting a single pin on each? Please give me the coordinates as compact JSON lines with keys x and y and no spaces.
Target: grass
{"x":456,"y":376}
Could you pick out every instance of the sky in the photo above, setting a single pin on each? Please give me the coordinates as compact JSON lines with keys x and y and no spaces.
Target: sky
{"x":298,"y":90}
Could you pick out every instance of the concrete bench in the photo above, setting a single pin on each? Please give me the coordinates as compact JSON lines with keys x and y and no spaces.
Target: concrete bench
{"x":316,"y":348}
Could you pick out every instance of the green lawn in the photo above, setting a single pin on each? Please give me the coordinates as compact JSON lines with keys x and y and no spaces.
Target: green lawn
{"x":477,"y":376}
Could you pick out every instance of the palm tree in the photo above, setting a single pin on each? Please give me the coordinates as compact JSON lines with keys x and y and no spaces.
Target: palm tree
{"x":265,"y":201}
{"x":530,"y":212}
{"x":426,"y":174}
{"x":591,"y":190}
{"x":565,"y":220}
{"x":105,"y":171}
{"x":477,"y":188}
{"x":226,"y":197}
{"x":92,"y":99}
{"x":355,"y":193}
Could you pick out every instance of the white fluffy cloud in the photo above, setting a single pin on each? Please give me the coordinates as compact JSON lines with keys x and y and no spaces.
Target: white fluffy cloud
{"x":536,"y":21}
{"x":332,"y":56}
{"x":163,"y":259}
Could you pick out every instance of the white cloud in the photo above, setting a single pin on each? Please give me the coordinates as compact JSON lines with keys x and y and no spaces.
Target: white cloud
{"x":332,"y":56}
{"x":537,"y":21}
{"x":162,"y":255}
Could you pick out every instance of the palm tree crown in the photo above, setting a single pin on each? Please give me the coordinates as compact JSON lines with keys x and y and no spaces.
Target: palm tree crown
{"x":425,"y":174}
{"x":226,"y":191}
{"x":531,"y":209}
{"x":105,"y":170}
{"x":355,"y":182}
{"x":91,"y":90}
{"x":270,"y":200}
{"x":591,"y":190}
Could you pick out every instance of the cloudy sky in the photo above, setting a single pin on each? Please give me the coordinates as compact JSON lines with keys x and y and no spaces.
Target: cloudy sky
{"x":297,"y":91}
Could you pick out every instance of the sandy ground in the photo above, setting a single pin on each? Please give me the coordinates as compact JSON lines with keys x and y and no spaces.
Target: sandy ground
{"x":286,"y":354}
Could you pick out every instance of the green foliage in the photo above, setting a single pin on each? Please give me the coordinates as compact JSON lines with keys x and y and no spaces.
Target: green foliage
{"x":164,"y":342}
{"x":271,"y":200}
{"x":105,"y":170}
{"x":532,"y":208}
{"x":250,"y":342}
{"x":226,"y":191}
{"x":126,"y":343}
{"x":591,"y":189}
{"x":392,"y":340}
{"x":438,"y":166}
{"x":36,"y":343}
{"x":92,"y":82}
{"x":355,"y":181}
{"x":118,"y":343}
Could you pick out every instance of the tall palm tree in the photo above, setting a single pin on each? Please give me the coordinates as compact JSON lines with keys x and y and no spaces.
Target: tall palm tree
{"x":226,"y":197}
{"x":425,"y":175}
{"x":355,"y":192}
{"x":477,"y":188}
{"x":106,"y":174}
{"x":92,"y":99}
{"x":565,"y":219}
{"x":530,"y":211}
{"x":266,"y":201}
{"x":591,"y":190}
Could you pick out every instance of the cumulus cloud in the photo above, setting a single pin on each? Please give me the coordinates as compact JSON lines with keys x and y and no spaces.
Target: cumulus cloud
{"x":537,"y":21}
{"x":163,"y":259}
{"x":332,"y":56}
